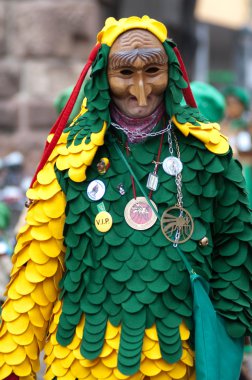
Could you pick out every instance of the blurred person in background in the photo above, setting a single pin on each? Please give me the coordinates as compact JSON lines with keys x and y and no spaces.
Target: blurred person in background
{"x":14,"y":164}
{"x":63,"y":97}
{"x":210,"y":101}
{"x":230,"y":108}
{"x":13,"y":185}
{"x":237,"y":125}
{"x":5,"y":250}
{"x":246,"y":369}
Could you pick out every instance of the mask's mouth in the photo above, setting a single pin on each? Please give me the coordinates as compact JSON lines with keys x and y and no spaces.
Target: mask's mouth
{"x":135,"y":99}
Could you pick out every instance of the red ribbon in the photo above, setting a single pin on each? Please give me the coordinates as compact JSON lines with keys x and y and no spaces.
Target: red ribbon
{"x":187,"y":92}
{"x":61,"y":122}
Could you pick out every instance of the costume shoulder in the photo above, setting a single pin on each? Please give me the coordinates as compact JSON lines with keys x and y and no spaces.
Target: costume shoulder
{"x":207,"y":132}
{"x":73,"y":156}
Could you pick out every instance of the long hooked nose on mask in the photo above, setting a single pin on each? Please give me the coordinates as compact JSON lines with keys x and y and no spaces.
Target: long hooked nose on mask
{"x":140,"y":89}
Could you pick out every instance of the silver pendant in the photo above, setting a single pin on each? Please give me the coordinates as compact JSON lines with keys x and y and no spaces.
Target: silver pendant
{"x":152,"y":182}
{"x":172,"y":165}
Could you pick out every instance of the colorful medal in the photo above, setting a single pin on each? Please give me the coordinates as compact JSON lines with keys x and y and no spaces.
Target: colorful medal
{"x":96,"y":190}
{"x":139,"y":214}
{"x":172,"y":165}
{"x":177,"y":224}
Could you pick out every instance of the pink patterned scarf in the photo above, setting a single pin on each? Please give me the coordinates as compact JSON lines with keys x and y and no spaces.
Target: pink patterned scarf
{"x":145,"y":124}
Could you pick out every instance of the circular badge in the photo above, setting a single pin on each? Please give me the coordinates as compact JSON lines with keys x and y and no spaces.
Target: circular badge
{"x":177,"y":224}
{"x":96,"y":190}
{"x":103,"y":221}
{"x":139,"y":214}
{"x":172,"y":165}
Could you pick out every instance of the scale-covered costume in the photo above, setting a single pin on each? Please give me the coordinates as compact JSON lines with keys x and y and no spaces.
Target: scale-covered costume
{"x":117,"y":304}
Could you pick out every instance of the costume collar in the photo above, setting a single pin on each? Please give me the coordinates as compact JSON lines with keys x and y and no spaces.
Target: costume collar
{"x":146,"y":124}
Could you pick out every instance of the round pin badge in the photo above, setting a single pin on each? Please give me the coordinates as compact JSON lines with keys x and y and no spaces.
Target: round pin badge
{"x":103,"y":221}
{"x":172,"y":165}
{"x":139,"y":215}
{"x":96,"y":190}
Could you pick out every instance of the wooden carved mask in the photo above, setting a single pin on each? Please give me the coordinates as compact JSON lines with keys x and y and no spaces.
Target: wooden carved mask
{"x":137,"y":73}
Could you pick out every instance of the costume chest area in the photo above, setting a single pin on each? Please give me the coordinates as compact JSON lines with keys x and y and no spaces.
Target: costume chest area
{"x":124,"y":262}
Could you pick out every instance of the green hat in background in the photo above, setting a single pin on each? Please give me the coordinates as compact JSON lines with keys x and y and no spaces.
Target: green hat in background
{"x":240,"y":93}
{"x":247,"y":349}
{"x":63,"y":97}
{"x":210,"y":101}
{"x":5,"y":215}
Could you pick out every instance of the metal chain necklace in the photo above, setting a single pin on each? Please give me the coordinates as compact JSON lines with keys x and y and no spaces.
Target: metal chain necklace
{"x":135,"y":133}
{"x":141,"y":212}
{"x":171,"y":165}
{"x":176,"y":222}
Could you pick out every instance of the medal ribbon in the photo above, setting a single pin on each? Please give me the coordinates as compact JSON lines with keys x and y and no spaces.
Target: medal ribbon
{"x":155,"y":168}
{"x":137,"y":182}
{"x":177,"y":237}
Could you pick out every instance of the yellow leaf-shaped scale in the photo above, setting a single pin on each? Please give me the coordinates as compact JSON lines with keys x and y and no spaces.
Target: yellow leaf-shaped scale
{"x":208,"y":133}
{"x":33,"y":289}
{"x":77,"y":175}
{"x":36,"y":253}
{"x":25,"y":339}
{"x":98,"y":138}
{"x":8,"y":313}
{"x":78,"y":157}
{"x":36,"y":315}
{"x":45,"y":177}
{"x":7,"y":344}
{"x":23,"y":304}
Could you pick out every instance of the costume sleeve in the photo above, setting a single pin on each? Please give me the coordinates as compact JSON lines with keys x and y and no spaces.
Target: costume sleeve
{"x":33,"y":288}
{"x":232,"y":259}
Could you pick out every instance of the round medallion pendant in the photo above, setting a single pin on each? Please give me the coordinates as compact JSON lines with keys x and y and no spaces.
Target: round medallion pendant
{"x":177,"y":224}
{"x":172,"y":165}
{"x":139,"y":215}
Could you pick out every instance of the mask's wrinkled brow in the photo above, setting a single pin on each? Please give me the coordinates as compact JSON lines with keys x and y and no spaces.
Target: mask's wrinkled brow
{"x":153,"y":56}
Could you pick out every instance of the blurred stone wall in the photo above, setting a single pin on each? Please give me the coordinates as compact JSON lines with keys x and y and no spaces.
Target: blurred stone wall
{"x":43,"y":47}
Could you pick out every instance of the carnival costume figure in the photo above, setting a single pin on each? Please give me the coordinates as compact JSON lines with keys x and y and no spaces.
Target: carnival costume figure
{"x":97,"y":281}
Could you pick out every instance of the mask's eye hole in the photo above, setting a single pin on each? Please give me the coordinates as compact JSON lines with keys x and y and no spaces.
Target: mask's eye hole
{"x":126,"y":72}
{"x":152,"y":70}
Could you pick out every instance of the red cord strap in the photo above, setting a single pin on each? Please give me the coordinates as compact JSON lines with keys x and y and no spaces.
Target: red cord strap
{"x":61,"y":122}
{"x":187,"y":92}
